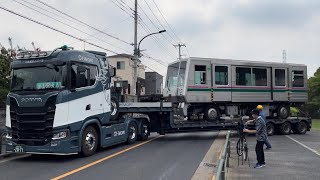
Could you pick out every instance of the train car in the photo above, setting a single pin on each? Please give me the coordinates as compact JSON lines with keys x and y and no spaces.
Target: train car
{"x":213,"y":88}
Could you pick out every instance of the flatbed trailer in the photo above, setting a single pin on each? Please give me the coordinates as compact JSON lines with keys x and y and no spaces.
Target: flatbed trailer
{"x":167,"y":117}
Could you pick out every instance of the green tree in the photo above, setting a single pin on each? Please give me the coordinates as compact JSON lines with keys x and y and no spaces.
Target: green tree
{"x":313,"y":105}
{"x":5,"y":60}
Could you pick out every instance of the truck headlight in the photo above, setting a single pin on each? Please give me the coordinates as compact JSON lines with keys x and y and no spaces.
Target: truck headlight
{"x":61,"y":134}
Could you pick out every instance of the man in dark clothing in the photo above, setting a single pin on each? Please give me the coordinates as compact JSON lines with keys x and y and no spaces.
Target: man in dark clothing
{"x":260,"y":108}
{"x":261,"y":133}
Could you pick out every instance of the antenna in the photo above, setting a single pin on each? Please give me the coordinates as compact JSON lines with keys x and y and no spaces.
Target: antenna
{"x":284,"y":56}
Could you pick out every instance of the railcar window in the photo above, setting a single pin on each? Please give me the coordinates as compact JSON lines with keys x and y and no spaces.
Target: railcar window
{"x":243,"y":76}
{"x":280,"y":77}
{"x":200,"y":74}
{"x":221,"y":75}
{"x":298,"y":79}
{"x":259,"y":77}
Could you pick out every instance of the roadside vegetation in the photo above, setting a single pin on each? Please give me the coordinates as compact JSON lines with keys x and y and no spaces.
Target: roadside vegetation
{"x":316,"y":124}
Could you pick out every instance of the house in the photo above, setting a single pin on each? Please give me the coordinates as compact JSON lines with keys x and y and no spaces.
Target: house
{"x":153,"y":82}
{"x":124,"y":73}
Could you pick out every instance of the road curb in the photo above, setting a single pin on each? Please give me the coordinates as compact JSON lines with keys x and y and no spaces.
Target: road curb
{"x":208,"y":165}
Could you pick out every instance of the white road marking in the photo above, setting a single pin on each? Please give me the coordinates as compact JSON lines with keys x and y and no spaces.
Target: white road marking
{"x":14,"y":158}
{"x":310,"y":149}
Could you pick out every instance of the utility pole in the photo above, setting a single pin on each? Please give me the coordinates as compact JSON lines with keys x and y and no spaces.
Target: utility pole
{"x":179,"y":46}
{"x":11,"y":48}
{"x":135,"y":51}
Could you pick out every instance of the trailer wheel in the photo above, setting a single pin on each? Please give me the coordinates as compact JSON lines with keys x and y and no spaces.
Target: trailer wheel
{"x":132,"y":133}
{"x":283,"y":111}
{"x":285,"y":128}
{"x":270,"y":129}
{"x":300,"y":128}
{"x":114,"y":108}
{"x":144,"y":131}
{"x":89,"y":141}
{"x":212,"y":113}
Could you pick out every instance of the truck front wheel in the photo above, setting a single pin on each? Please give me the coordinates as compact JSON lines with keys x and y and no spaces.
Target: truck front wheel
{"x":89,"y":141}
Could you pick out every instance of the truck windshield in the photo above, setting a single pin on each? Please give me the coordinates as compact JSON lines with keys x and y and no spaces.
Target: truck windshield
{"x":173,"y":79}
{"x":39,"y":78}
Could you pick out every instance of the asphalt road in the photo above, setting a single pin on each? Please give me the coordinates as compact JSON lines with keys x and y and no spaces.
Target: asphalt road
{"x":173,"y":156}
{"x":292,"y":157}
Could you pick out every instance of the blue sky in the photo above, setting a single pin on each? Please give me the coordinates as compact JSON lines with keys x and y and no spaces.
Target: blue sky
{"x":237,"y":29}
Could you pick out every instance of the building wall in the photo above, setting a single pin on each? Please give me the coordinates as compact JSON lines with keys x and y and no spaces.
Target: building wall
{"x":153,"y":83}
{"x":127,"y":72}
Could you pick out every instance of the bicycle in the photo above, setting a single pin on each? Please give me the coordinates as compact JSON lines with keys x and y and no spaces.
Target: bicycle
{"x":242,"y":146}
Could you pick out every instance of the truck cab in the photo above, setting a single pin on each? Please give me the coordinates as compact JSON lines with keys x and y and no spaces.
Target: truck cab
{"x":60,"y":102}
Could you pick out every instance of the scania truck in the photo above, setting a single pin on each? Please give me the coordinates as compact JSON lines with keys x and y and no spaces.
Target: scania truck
{"x":61,"y":102}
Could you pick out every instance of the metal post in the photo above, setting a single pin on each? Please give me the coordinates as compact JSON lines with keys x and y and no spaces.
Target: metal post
{"x":135,"y":51}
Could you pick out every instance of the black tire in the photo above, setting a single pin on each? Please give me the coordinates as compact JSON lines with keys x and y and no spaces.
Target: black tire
{"x":300,"y":128}
{"x":132,"y":133}
{"x":89,"y":141}
{"x":212,"y":113}
{"x":285,"y":128}
{"x":270,"y":129}
{"x":144,"y":131}
{"x":283,"y":111}
{"x":114,"y":109}
{"x":240,"y":147}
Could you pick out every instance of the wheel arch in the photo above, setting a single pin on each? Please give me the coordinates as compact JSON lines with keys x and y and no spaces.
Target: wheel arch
{"x":91,"y":122}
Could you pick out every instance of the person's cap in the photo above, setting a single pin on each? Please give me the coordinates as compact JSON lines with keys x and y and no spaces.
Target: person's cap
{"x":260,"y":107}
{"x":255,"y":111}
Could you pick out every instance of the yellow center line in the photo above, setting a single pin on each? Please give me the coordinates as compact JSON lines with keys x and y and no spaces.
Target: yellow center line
{"x":101,"y":160}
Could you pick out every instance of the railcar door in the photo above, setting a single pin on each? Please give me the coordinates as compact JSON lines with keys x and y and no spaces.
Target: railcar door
{"x":221,"y":83}
{"x":280,"y":84}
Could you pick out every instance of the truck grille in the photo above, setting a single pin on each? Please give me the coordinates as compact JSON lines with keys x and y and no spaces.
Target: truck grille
{"x":32,"y":125}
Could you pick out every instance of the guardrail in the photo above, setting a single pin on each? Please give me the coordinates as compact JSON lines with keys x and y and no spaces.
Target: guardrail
{"x":223,"y":163}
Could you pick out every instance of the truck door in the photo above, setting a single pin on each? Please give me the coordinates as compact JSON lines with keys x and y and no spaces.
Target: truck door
{"x":221,"y":82}
{"x":298,"y":84}
{"x":280,"y":84}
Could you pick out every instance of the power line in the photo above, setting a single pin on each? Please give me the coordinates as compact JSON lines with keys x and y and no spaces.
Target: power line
{"x":166,"y":21}
{"x":160,"y":23}
{"x":54,"y":29}
{"x":123,"y":8}
{"x":68,"y":25}
{"x":109,"y":35}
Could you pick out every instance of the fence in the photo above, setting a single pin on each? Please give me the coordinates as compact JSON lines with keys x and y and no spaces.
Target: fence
{"x":224,"y":160}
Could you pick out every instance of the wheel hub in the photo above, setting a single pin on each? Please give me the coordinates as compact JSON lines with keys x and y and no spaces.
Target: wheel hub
{"x":90,"y":141}
{"x":113,"y":108}
{"x":133,"y":132}
{"x":212,"y":113}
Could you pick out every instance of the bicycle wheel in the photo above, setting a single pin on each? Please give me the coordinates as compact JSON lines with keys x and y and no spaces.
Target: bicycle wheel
{"x":240,"y":147}
{"x":245,"y":150}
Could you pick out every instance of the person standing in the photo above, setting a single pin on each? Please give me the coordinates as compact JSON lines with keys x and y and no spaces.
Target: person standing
{"x":261,"y":133}
{"x":261,"y":113}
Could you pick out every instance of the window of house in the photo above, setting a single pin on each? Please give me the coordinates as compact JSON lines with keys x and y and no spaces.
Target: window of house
{"x":280,"y":77}
{"x":243,"y":76}
{"x":221,"y":75}
{"x":200,"y":74}
{"x":297,"y":79}
{"x":120,"y":65}
{"x":259,"y":77}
